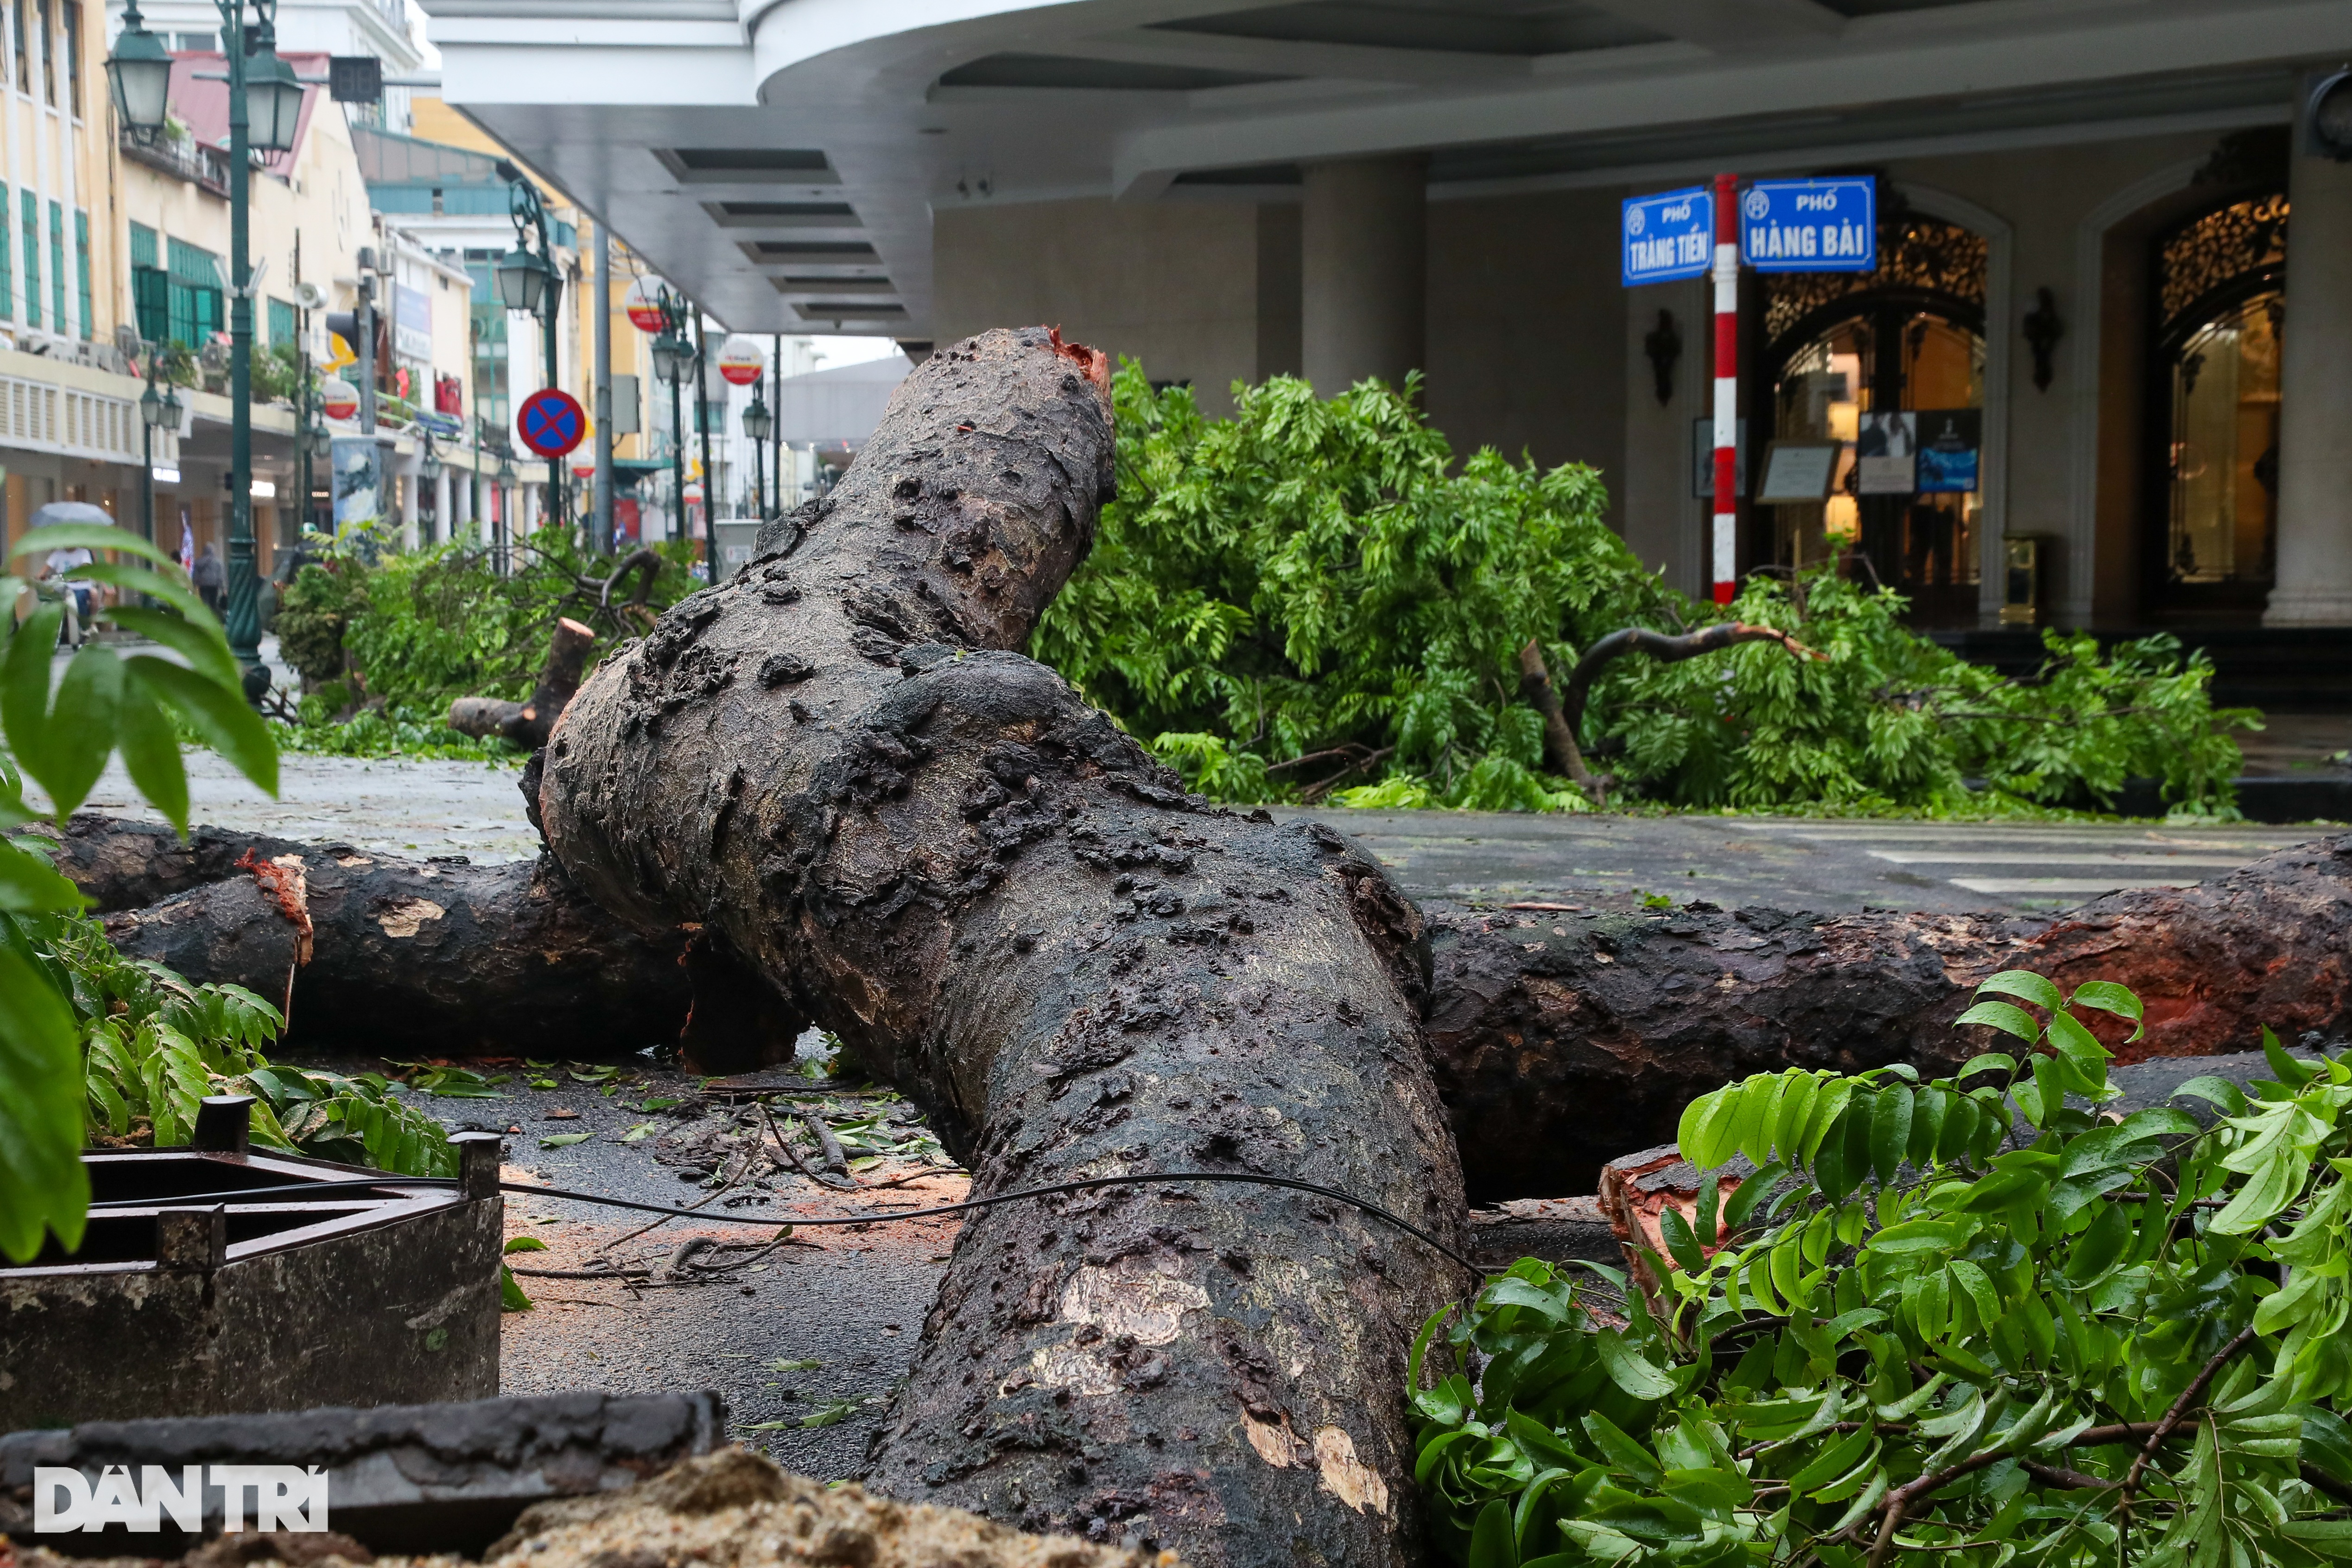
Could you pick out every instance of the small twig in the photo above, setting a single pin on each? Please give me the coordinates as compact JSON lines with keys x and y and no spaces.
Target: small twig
{"x":2180,"y":1407}
{"x":790,"y":1152}
{"x":836,"y":1159}
{"x":2072,"y":1481}
{"x":580,"y":1273}
{"x":656,"y":1225}
{"x":1324,"y":786}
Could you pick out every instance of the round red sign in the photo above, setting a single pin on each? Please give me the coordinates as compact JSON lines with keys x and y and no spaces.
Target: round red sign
{"x":551,"y":422}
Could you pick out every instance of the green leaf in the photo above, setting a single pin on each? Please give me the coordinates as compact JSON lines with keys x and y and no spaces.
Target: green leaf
{"x":1680,"y":1241}
{"x":2109,"y":997}
{"x":31,"y":884}
{"x":2293,"y":1073}
{"x":2006,"y":1017}
{"x":1759,"y":1115}
{"x":2026,"y":986}
{"x":201,"y":644}
{"x":87,"y":536}
{"x":1491,"y":1542}
{"x":172,"y":589}
{"x":1622,"y":1450}
{"x":1890,"y":1132}
{"x":43,"y":1185}
{"x":525,"y":1244}
{"x":2326,"y":1442}
{"x":565,"y":1139}
{"x":151,"y":751}
{"x":1629,"y":1369}
{"x":510,"y":1294}
{"x":1986,"y":1061}
{"x":221,"y":715}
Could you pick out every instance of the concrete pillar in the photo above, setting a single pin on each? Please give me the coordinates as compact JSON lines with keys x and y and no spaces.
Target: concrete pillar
{"x":2315,"y":494}
{"x":1363,"y":270}
{"x":406,"y":484}
{"x":445,"y":523}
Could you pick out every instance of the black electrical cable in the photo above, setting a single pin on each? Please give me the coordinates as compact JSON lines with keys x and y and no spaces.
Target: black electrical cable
{"x":301,"y":1191}
{"x":996,"y":1198}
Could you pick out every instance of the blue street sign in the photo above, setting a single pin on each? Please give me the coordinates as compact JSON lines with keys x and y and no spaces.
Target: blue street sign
{"x":1810,"y":225}
{"x":1669,"y":237}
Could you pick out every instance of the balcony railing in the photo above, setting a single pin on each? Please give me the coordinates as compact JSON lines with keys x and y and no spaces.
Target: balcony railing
{"x":184,"y":157}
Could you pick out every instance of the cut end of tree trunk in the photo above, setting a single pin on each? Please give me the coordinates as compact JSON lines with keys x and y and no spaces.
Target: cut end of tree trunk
{"x":527,"y":723}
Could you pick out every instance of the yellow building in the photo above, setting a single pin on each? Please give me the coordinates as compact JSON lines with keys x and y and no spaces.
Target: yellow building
{"x":68,"y":417}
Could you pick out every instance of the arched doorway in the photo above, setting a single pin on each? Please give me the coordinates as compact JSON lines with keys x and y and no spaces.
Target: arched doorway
{"x":1847,"y":356}
{"x":2211,"y":540}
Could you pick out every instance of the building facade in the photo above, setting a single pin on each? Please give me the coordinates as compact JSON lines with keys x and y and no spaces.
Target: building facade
{"x":2099,"y":268}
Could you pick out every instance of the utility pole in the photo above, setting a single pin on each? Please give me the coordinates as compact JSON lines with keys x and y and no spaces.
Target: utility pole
{"x":702,"y":423}
{"x":243,"y":619}
{"x":604,"y":507}
{"x":776,"y":453}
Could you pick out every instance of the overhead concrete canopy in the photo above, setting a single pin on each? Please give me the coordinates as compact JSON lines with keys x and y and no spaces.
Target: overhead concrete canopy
{"x":781,"y":159}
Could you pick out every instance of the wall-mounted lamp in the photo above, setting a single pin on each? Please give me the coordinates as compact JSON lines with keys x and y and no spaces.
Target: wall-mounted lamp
{"x":1664,"y":344}
{"x":2043,"y":331}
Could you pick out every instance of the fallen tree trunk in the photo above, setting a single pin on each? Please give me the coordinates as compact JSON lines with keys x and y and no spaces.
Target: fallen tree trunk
{"x":1008,"y":909}
{"x":412,"y":958}
{"x":1541,"y":1020}
{"x":1534,"y":1019}
{"x":527,"y":724}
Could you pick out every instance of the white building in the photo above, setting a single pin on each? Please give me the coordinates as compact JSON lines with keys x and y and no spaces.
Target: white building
{"x":1230,"y":190}
{"x":383,"y":28}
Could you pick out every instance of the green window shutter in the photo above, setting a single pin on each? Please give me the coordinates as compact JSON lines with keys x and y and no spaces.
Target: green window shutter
{"x":7,"y":268}
{"x":81,"y":259}
{"x":150,"y":294}
{"x":281,"y":323}
{"x":142,"y":246}
{"x":30,"y":206}
{"x":57,"y":266}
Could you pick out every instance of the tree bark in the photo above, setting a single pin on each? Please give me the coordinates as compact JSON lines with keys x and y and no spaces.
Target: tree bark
{"x":1009,"y":910}
{"x":527,"y":724}
{"x":1535,"y":1019}
{"x":1541,"y":1021}
{"x":416,"y":959}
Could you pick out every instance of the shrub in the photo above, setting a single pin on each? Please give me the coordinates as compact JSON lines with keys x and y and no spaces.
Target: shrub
{"x":1980,"y":1318}
{"x":1315,"y":595}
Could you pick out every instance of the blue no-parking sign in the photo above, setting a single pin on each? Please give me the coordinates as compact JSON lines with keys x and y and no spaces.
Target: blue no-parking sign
{"x":1669,"y":237}
{"x":1810,"y":225}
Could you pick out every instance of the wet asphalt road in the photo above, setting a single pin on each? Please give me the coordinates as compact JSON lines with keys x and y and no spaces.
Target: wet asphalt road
{"x":420,"y":808}
{"x":850,"y":1301}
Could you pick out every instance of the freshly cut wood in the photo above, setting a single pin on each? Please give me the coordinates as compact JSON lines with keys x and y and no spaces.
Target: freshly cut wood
{"x":1009,"y":910}
{"x":1562,"y":1040}
{"x":526,"y":724}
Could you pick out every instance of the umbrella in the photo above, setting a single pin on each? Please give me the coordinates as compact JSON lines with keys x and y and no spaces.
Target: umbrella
{"x":59,"y":512}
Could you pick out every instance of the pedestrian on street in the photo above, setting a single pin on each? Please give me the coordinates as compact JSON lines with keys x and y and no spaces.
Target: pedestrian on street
{"x":77,"y":592}
{"x":211,"y":580}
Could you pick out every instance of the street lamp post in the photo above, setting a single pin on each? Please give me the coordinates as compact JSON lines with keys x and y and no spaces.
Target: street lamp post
{"x":757,"y":422}
{"x":675,"y":356}
{"x":532,"y":285}
{"x":159,"y":409}
{"x":264,"y":103}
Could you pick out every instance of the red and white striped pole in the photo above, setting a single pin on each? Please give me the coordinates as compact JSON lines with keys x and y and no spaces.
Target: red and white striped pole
{"x":1727,"y":385}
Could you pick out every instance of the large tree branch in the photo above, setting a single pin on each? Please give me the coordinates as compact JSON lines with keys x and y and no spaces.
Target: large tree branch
{"x":1008,"y":909}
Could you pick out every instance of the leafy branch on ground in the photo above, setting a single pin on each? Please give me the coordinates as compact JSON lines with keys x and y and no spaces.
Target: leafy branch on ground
{"x":1985,"y":1318}
{"x":1314,"y":599}
{"x":384,"y":639}
{"x":60,"y":738}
